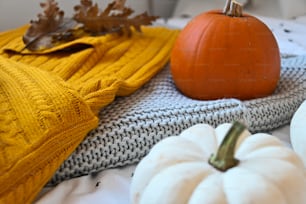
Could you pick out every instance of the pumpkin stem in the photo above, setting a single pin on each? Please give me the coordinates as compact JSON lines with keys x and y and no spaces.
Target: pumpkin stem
{"x":224,"y":159}
{"x":232,"y":8}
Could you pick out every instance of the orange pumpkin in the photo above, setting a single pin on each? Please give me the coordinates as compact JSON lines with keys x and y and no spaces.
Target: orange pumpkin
{"x":225,"y":56}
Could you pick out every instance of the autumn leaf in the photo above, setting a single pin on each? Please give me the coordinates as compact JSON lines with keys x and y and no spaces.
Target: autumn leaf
{"x":50,"y":24}
{"x":111,"y":19}
{"x":52,"y":28}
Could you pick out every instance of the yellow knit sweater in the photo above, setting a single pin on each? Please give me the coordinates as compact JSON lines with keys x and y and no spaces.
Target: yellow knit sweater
{"x":49,"y":100}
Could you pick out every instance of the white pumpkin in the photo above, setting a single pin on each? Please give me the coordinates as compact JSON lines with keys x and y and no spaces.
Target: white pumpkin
{"x":298,"y":132}
{"x":178,"y":169}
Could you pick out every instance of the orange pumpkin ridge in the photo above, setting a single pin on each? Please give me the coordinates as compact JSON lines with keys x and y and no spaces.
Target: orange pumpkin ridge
{"x":218,"y":56}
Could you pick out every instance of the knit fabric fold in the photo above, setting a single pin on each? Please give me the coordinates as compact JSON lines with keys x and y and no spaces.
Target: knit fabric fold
{"x":49,"y":100}
{"x":42,"y":121}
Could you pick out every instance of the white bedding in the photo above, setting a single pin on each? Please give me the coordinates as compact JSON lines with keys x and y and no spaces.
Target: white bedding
{"x":107,"y":187}
{"x":112,"y":186}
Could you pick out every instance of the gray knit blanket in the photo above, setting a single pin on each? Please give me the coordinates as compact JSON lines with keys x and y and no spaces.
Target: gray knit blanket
{"x":130,"y":126}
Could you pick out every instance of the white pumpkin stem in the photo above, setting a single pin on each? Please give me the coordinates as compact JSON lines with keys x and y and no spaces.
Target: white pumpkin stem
{"x":224,"y":158}
{"x":232,"y":8}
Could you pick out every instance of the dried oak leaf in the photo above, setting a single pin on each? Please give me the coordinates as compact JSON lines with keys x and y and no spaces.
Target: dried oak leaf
{"x":44,"y":32}
{"x":114,"y":18}
{"x":52,"y":28}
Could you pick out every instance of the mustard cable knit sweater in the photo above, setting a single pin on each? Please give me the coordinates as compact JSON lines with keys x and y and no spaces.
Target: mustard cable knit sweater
{"x":49,"y":100}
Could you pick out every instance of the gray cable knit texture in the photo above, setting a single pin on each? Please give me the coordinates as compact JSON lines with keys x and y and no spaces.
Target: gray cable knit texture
{"x":130,"y":126}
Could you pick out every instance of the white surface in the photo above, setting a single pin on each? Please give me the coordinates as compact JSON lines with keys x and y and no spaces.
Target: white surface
{"x":112,"y":186}
{"x":272,"y":8}
{"x":109,"y":187}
